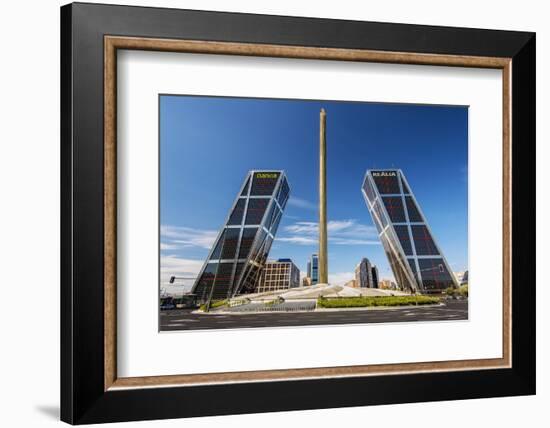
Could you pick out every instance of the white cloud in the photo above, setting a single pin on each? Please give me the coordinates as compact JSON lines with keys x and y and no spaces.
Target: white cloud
{"x":348,"y":241}
{"x":304,"y":227}
{"x":175,"y":266}
{"x":165,"y":246}
{"x":301,"y":240}
{"x":340,"y":232}
{"x":340,"y":278}
{"x":175,"y":237}
{"x":301,"y":203}
{"x":292,"y":217}
{"x":340,"y":225}
{"x":178,"y":265}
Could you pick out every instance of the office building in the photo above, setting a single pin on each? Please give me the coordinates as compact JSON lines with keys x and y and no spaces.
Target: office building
{"x":279,"y":275}
{"x":416,"y":260}
{"x":374,"y":274}
{"x":388,"y":284}
{"x":235,"y":262}
{"x":363,"y":274}
{"x":313,"y":269}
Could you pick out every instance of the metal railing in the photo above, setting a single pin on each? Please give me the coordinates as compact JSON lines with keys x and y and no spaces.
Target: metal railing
{"x":276,"y":307}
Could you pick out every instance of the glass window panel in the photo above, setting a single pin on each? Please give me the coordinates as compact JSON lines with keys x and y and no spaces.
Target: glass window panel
{"x":265,"y":250}
{"x":237,"y":214}
{"x":369,"y":190}
{"x":238,"y":271}
{"x":230,"y":243}
{"x":435,"y":275}
{"x":284,"y":201}
{"x":423,"y":241}
{"x":376,"y":223}
{"x":270,"y":215}
{"x":276,"y":222}
{"x":283,"y":193}
{"x":264,"y":183}
{"x":412,"y":209}
{"x":397,"y":270}
{"x":205,"y":282}
{"x":396,"y":262}
{"x":245,"y":189}
{"x":256,"y":210}
{"x":386,"y":182}
{"x":381,"y":216}
{"x":249,"y":233}
{"x":216,"y":253}
{"x":223,"y":281}
{"x":394,"y":207}
{"x":259,"y":248}
{"x":405,"y":187}
{"x":412,"y":264}
{"x":403,"y":235}
{"x":249,"y":279}
{"x":258,"y":245}
{"x":223,"y":276}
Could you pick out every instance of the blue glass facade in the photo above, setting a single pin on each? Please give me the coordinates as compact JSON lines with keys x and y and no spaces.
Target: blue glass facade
{"x":313,"y":269}
{"x":240,"y":251}
{"x":414,"y":256}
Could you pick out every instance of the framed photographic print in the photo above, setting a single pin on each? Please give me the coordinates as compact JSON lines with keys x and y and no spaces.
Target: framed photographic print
{"x":272,"y":213}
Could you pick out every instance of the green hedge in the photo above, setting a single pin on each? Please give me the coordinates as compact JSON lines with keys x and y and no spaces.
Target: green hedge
{"x":360,"y":302}
{"x":214,"y":304}
{"x":460,"y":291}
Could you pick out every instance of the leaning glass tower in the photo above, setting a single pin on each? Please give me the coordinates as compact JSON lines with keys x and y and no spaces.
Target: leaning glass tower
{"x":241,"y":248}
{"x":416,"y":260}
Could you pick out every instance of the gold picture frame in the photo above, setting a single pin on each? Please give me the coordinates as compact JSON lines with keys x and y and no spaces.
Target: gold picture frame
{"x":114,"y":43}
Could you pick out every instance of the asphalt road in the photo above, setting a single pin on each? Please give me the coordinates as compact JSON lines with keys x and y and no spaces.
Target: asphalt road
{"x":184,"y":319}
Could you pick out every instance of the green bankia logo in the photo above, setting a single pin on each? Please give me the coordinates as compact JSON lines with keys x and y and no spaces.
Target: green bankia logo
{"x":266,"y":175}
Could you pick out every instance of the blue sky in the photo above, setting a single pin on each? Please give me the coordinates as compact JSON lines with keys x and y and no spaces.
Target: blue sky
{"x":208,"y":144}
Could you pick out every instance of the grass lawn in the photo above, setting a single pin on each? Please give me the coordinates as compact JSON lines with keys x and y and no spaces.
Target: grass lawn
{"x":362,"y":302}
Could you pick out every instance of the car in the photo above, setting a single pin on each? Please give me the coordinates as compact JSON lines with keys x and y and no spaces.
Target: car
{"x":167,"y":306}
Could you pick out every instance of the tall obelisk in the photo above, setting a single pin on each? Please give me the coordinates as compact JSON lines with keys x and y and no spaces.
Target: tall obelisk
{"x":323,"y":257}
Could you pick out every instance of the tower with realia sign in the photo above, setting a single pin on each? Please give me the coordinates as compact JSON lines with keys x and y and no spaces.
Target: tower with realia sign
{"x":415,"y":258}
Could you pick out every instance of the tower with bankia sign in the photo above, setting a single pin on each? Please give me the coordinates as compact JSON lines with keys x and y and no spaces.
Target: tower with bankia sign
{"x":415,"y":258}
{"x":239,"y":253}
